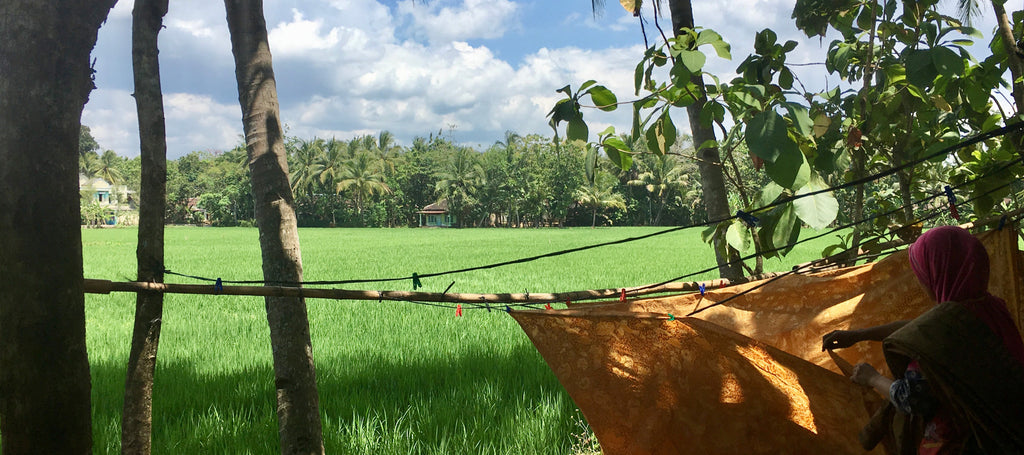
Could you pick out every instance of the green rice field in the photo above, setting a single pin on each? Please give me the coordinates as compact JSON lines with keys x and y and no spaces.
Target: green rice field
{"x":394,"y":377}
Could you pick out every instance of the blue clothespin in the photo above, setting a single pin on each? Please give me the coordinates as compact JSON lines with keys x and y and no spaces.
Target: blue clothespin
{"x":952,"y":202}
{"x":218,"y":287}
{"x":508,"y":310}
{"x":702,"y":288}
{"x":746,"y":218}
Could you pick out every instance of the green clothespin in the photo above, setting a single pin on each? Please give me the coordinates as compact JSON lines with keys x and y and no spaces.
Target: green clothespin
{"x":416,"y":281}
{"x":671,"y":318}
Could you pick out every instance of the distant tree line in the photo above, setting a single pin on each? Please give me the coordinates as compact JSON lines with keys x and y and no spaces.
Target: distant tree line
{"x":370,"y":181}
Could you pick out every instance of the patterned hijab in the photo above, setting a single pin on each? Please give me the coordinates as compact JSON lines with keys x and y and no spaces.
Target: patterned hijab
{"x":954,"y":265}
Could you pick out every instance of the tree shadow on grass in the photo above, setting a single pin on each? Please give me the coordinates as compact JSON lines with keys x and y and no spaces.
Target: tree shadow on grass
{"x":477,"y":402}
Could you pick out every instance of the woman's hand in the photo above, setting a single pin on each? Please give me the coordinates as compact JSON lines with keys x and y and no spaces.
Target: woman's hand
{"x":837,"y":339}
{"x":864,"y":374}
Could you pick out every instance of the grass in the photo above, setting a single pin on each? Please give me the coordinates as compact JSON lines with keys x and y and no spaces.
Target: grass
{"x":394,"y":377}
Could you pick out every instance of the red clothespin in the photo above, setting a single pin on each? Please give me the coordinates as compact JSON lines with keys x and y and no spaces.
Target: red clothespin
{"x":721,"y":284}
{"x":458,"y":310}
{"x":547,"y":306}
{"x":622,"y":296}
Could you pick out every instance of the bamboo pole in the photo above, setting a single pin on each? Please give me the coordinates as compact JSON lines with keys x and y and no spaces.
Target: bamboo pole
{"x":94,"y":286}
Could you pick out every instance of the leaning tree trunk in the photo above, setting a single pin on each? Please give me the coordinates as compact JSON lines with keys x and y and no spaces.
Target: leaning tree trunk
{"x":709,"y":162}
{"x":298,"y":408}
{"x":1015,"y":60}
{"x":45,"y":80}
{"x":137,"y":416}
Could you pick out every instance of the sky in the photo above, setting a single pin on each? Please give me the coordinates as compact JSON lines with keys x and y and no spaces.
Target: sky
{"x":467,"y":69}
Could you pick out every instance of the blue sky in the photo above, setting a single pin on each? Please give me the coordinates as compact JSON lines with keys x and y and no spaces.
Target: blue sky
{"x":470,"y":68}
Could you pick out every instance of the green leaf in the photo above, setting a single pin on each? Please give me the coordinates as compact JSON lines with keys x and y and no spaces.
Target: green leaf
{"x":693,"y":60}
{"x":661,"y":135}
{"x":801,"y":119}
{"x":590,"y":162}
{"x":819,"y":210}
{"x":920,"y":68}
{"x":577,"y":129}
{"x":947,"y":62}
{"x":586,"y":85}
{"x":638,"y":77}
{"x":603,"y":98}
{"x":769,"y":194}
{"x":786,"y":78}
{"x":767,"y":136}
{"x":618,"y":152}
{"x":787,"y":230}
{"x":790,"y":169}
{"x":739,"y":236}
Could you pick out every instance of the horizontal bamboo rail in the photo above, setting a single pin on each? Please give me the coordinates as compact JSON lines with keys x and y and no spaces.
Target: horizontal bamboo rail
{"x":93,"y":286}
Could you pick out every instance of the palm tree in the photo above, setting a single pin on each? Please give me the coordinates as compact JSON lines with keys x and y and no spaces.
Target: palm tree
{"x":305,"y":165}
{"x":662,"y":180}
{"x":333,"y":155}
{"x":363,"y":178}
{"x":600,"y":195}
{"x":458,"y":181}
{"x":386,"y":149}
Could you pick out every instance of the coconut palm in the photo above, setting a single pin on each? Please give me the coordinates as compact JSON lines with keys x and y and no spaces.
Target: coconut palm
{"x":386,"y":149}
{"x":332,"y":162}
{"x":662,"y":180}
{"x":305,"y":165}
{"x":458,"y":181}
{"x":600,"y":195}
{"x":363,"y":178}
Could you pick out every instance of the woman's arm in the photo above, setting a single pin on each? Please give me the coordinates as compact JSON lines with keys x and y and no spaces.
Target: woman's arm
{"x":845,"y":338}
{"x":866,"y":375}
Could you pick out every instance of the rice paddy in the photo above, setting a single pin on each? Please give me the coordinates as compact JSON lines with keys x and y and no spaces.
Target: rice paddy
{"x":393,"y":377}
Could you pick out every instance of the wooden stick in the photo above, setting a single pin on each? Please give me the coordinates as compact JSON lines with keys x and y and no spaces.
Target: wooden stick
{"x":106,"y":286}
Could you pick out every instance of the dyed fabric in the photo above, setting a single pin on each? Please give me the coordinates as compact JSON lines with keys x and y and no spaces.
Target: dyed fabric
{"x":976,"y":380}
{"x":744,"y":377}
{"x":954,"y":265}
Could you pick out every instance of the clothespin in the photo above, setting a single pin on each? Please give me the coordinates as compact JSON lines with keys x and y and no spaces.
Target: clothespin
{"x":380,"y":297}
{"x":671,"y":318}
{"x":527,"y":291}
{"x":622,"y":296}
{"x":458,"y":310}
{"x":952,"y":202}
{"x":702,"y":288}
{"x":746,"y":218}
{"x":218,"y":287}
{"x":721,"y":284}
{"x":416,"y":281}
{"x":508,"y":309}
{"x":486,"y":304}
{"x":547,"y":306}
{"x":568,"y":302}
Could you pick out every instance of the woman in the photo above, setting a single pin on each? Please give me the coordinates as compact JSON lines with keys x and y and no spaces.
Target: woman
{"x":959,"y":366}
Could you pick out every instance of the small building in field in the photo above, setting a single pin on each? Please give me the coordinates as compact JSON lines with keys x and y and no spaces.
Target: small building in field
{"x":111,"y":204}
{"x":436,"y":215}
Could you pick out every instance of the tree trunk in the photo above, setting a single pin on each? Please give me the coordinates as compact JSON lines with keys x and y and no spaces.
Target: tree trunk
{"x":709,"y":163}
{"x":1016,"y":63}
{"x":298,"y":408}
{"x":45,"y":80}
{"x":137,"y":415}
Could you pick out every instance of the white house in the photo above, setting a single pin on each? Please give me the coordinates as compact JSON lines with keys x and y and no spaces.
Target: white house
{"x":117,"y":201}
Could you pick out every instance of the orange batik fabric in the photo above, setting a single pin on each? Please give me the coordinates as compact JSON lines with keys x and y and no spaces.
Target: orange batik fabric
{"x":747,"y":376}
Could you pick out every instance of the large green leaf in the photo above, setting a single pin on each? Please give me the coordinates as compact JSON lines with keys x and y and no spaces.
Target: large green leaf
{"x":947,"y":62}
{"x":801,"y":119}
{"x":590,"y":163}
{"x":787,"y":230}
{"x":819,"y":210}
{"x":790,"y":169}
{"x":769,"y":194}
{"x":768,"y":138}
{"x":739,"y":236}
{"x":577,"y":129}
{"x":692,"y":60}
{"x":662,"y":134}
{"x":618,"y":152}
{"x":603,"y":98}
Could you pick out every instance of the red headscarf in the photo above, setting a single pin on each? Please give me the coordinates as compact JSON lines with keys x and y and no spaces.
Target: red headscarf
{"x":954,"y":265}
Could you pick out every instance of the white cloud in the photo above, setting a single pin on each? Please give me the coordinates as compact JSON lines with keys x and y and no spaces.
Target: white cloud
{"x":301,"y":36}
{"x":471,"y":19}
